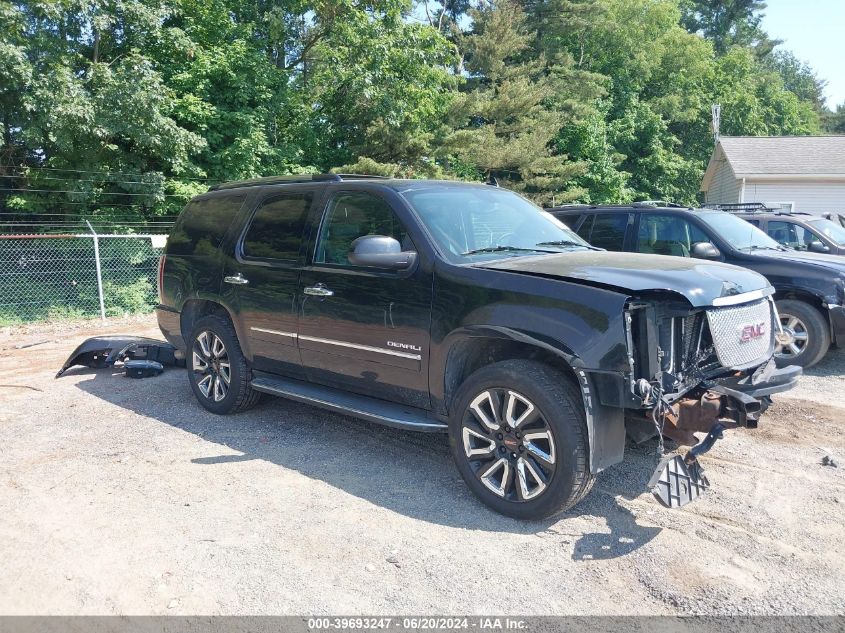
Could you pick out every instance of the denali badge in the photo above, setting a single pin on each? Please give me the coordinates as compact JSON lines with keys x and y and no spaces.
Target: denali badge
{"x":752,"y":332}
{"x":416,"y":348}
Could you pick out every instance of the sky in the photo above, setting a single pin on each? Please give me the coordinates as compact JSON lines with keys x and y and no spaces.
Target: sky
{"x":815,"y":31}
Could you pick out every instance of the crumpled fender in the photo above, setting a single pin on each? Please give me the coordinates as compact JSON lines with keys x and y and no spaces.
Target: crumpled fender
{"x":105,"y":351}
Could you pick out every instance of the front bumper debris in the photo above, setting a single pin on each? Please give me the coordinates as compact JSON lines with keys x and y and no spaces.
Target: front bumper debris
{"x":105,"y":351}
{"x":698,"y":413}
{"x":736,"y":401}
{"x":679,"y":480}
{"x":766,"y":381}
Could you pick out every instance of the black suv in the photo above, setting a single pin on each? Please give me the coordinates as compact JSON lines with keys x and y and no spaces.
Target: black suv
{"x":810,"y":287}
{"x":799,"y":231}
{"x":463,"y":308}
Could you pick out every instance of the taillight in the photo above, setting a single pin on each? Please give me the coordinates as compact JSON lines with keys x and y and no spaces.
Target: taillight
{"x":161,"y":261}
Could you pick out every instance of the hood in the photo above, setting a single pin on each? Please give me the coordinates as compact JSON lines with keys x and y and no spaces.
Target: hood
{"x":822,"y":260}
{"x":701,"y":282}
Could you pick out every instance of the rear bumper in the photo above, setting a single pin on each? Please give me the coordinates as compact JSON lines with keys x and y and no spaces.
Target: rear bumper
{"x":778,"y":381}
{"x":170,"y":324}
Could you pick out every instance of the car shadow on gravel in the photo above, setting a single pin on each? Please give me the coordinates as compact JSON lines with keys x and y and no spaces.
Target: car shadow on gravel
{"x":406,"y":472}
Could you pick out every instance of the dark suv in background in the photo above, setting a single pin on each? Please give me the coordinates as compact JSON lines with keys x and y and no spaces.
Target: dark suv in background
{"x":810,"y":287}
{"x":464,"y":308}
{"x":799,"y":231}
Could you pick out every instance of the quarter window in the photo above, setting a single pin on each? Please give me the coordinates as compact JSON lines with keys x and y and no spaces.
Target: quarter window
{"x":203,"y":223}
{"x":277,"y":227}
{"x":353,"y":215}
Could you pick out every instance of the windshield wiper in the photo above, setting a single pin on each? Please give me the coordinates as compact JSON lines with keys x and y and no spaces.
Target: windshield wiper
{"x":568,"y":243}
{"x":502,"y":248}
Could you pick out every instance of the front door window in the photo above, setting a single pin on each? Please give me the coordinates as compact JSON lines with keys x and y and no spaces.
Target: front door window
{"x":791,"y":234}
{"x":353,"y":215}
{"x":668,"y":235}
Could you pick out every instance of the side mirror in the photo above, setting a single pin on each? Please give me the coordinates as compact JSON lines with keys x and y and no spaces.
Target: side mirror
{"x":818,"y":247}
{"x":380,"y":251}
{"x":705,"y":250}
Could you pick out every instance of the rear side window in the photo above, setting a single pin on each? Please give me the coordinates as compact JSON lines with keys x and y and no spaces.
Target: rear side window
{"x":277,"y":226}
{"x":607,"y":230}
{"x":202,"y":224}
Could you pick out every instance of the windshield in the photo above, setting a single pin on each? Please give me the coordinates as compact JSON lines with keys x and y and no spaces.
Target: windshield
{"x":477,"y":223}
{"x":832,"y":230}
{"x":738,"y":233}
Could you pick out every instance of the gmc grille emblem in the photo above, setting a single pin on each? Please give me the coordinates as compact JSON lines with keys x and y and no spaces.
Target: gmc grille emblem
{"x":752,"y":332}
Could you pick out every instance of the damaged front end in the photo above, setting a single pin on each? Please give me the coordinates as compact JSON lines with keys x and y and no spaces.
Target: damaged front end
{"x":700,"y":370}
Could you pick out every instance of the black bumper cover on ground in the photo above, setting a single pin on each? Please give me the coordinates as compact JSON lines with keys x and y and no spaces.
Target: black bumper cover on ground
{"x":105,"y":351}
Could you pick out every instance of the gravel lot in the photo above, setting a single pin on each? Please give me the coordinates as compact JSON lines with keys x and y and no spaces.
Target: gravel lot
{"x":122,"y":496}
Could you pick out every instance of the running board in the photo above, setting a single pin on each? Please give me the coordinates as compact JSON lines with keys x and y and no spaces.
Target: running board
{"x":351,"y":404}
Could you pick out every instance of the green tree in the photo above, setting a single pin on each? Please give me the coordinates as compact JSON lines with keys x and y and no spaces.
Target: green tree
{"x":662,"y":83}
{"x":728,"y":23}
{"x":378,"y":87}
{"x":834,"y":120}
{"x":83,"y":96}
{"x":798,"y":77}
{"x":513,"y":105}
{"x":590,"y":142}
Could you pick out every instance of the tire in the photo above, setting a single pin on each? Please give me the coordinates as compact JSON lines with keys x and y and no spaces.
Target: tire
{"x":811,"y":330}
{"x":558,"y":430}
{"x":213,"y":344}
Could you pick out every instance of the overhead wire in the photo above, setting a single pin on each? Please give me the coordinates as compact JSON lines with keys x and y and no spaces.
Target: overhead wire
{"x":114,"y":173}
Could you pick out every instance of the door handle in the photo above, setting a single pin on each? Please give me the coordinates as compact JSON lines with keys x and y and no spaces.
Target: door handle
{"x":318,"y":291}
{"x":237,"y":280}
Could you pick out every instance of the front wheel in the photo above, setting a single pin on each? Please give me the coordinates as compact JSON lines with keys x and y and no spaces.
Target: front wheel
{"x":807,"y":333}
{"x":519,"y":438}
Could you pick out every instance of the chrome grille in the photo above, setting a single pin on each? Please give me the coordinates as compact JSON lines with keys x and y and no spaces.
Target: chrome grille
{"x":742,"y":335}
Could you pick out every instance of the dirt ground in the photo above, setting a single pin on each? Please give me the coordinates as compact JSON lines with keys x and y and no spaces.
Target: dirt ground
{"x":122,"y":496}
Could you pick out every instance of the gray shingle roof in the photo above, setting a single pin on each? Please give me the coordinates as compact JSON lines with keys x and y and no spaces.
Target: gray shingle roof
{"x":804,"y":155}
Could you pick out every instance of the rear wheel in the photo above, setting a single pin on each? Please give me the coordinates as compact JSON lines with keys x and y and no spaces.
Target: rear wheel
{"x":219,"y":374}
{"x":810,"y":335}
{"x":518,"y":436}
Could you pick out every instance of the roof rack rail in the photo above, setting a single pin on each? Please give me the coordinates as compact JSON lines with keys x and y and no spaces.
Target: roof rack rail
{"x":742,"y":207}
{"x":292,"y":179}
{"x":658,"y":203}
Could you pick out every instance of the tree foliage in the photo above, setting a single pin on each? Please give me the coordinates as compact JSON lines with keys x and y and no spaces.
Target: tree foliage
{"x":514,"y":103}
{"x":728,"y":23}
{"x":131,"y":106}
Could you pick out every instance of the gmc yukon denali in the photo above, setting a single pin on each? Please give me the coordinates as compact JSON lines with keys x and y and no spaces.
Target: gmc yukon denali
{"x":465,"y":309}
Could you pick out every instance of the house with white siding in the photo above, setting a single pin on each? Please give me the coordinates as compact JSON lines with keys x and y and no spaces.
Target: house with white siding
{"x":800,"y":173}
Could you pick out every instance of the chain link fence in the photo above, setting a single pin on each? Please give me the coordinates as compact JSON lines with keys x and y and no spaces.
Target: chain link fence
{"x":77,"y":276}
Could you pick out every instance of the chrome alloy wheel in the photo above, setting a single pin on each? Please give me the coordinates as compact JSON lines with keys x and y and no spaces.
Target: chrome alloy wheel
{"x":509,"y":445}
{"x":210,"y":362}
{"x":797,"y":338}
